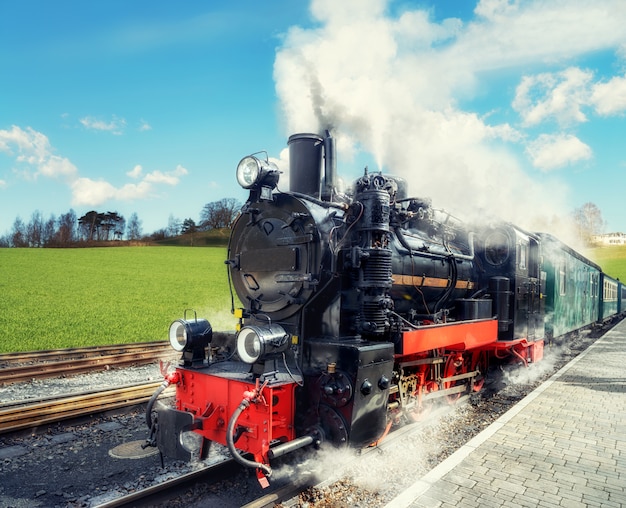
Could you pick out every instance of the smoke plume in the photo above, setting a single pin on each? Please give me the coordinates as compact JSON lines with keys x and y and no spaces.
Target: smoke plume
{"x":391,"y":84}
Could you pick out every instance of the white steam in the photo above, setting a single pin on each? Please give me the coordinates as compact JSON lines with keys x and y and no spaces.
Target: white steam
{"x":388,"y":85}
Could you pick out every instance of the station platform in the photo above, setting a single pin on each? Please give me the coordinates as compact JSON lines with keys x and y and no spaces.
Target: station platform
{"x":564,"y":445}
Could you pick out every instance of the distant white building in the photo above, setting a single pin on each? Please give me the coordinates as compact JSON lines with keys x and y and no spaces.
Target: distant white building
{"x":610,"y":239}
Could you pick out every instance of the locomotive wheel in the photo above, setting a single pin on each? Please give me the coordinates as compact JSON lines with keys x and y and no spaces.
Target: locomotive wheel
{"x":333,"y":425}
{"x":480,"y":364}
{"x":425,"y":406}
{"x":454,"y":367}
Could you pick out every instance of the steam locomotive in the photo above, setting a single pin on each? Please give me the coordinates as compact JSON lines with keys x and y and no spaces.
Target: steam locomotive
{"x":359,"y":310}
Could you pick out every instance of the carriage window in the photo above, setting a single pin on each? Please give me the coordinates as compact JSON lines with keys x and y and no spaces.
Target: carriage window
{"x":594,"y":284}
{"x":610,"y":291}
{"x":562,"y":287}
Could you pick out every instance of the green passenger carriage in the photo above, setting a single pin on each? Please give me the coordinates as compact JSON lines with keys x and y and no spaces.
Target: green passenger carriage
{"x":573,"y":282}
{"x":611,"y":297}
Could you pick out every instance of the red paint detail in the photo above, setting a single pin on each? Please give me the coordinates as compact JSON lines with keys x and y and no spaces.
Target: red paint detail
{"x":459,"y":336}
{"x":263,"y":481}
{"x":455,"y":365}
{"x":213,"y":399}
{"x":536,"y":351}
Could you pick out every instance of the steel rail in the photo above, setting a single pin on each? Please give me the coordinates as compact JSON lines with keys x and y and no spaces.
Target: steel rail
{"x":17,"y":374}
{"x":15,"y":417}
{"x":77,"y":352}
{"x":168,"y":489}
{"x":10,"y":375}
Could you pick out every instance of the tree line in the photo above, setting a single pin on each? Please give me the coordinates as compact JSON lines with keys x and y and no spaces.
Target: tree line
{"x":69,"y":230}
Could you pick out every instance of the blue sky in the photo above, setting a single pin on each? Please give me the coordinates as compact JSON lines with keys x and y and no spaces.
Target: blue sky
{"x":494,"y":108}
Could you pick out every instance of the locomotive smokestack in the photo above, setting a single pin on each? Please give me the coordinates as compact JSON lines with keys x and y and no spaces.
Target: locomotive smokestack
{"x":305,"y":163}
{"x":330,"y":167}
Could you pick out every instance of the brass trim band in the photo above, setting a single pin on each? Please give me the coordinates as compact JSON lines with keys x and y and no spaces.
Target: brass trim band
{"x":431,"y":282}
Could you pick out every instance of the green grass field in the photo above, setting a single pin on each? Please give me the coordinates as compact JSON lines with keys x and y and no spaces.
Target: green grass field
{"x":611,"y":259}
{"x":57,"y":298}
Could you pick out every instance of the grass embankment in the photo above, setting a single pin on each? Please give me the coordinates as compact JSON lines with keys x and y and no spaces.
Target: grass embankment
{"x":611,"y":259}
{"x":58,"y":298}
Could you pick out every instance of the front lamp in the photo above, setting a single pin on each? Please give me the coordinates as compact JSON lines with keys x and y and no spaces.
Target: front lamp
{"x":191,"y":337}
{"x":256,"y":342}
{"x":253,"y":172}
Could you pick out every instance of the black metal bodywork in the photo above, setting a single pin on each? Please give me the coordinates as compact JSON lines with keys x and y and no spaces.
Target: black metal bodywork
{"x":510,"y":267}
{"x":343,"y":274}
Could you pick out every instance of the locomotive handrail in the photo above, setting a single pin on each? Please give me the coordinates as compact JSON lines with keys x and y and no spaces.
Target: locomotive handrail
{"x":324,"y":204}
{"x":434,"y":255}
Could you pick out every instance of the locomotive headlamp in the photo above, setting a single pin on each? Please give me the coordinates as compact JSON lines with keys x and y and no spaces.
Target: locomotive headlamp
{"x":255,"y":342}
{"x":191,"y":337}
{"x":253,"y":172}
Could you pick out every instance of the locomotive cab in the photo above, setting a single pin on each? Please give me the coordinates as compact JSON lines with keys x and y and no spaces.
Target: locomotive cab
{"x":511,"y":268}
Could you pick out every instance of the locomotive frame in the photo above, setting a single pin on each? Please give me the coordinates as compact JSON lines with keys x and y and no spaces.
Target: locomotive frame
{"x":360,"y":309}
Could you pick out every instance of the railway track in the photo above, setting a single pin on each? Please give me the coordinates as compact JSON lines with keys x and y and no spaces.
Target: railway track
{"x":168,"y":489}
{"x":286,"y":492}
{"x":22,"y":415}
{"x":24,"y":366}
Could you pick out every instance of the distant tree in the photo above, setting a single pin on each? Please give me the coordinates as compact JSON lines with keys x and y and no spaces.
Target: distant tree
{"x":219,"y":214}
{"x":101,"y":226}
{"x":34,"y":230}
{"x":66,"y":228}
{"x":113,"y":225}
{"x":589,"y":222}
{"x":159,"y":234}
{"x":189,"y":226}
{"x":133,"y":229}
{"x":88,"y":225}
{"x":18,"y":233}
{"x":173,"y":226}
{"x":49,"y":236}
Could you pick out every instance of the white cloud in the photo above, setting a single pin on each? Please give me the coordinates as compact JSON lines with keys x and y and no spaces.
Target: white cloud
{"x":494,"y":9}
{"x":54,"y":166}
{"x":135,"y":172}
{"x":160,"y":177}
{"x":511,"y":34}
{"x":115,"y":125}
{"x":33,"y":150}
{"x":610,"y":98}
{"x":88,"y":192}
{"x":562,"y":95}
{"x":550,"y":152}
{"x":169,"y":178}
{"x":3,"y":184}
{"x":399,"y":99}
{"x":557,"y":95}
{"x":133,"y":191}
{"x":144,"y":126}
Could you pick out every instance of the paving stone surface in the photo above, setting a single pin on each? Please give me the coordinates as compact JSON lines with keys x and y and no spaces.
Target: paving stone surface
{"x":562,"y":446}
